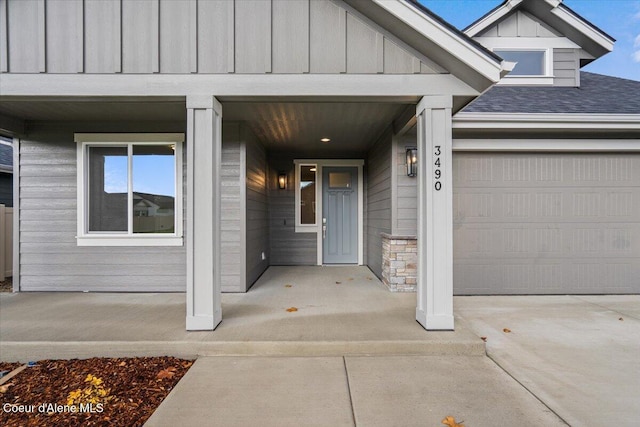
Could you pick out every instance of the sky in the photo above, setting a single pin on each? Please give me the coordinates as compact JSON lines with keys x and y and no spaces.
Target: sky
{"x":618,"y":18}
{"x":151,"y":174}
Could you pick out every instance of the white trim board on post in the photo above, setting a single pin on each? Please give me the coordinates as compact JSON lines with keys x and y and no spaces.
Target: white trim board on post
{"x":434,"y":309}
{"x":204,"y":147}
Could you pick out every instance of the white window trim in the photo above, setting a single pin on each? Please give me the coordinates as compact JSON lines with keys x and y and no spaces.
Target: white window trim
{"x":317,"y":228}
{"x":546,"y":79}
{"x":305,"y":228}
{"x":84,"y":238}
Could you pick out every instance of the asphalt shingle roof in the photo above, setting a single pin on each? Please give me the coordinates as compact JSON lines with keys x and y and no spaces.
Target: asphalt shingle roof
{"x":597,"y":94}
{"x":6,"y":155}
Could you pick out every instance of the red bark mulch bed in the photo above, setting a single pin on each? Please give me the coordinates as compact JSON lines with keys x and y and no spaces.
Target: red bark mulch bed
{"x":103,"y":391}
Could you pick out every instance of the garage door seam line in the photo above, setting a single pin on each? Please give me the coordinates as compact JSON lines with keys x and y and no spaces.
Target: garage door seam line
{"x":528,"y":390}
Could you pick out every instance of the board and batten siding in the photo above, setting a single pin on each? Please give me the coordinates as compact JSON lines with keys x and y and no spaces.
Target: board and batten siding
{"x":198,"y":36}
{"x":378,"y":199}
{"x":286,"y":247}
{"x":50,"y":259}
{"x":519,"y":24}
{"x":535,"y":223}
{"x":257,"y":208}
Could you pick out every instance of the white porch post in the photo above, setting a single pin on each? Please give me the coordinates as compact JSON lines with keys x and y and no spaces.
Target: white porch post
{"x":435,"y":214}
{"x":204,"y":145}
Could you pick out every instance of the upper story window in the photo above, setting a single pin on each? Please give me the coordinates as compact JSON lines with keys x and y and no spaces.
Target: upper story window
{"x":533,"y":66}
{"x":129,"y":189}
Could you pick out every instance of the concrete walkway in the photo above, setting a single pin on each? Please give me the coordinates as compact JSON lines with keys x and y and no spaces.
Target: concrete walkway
{"x":340,"y":311}
{"x":383,"y":391}
{"x":580,"y":355}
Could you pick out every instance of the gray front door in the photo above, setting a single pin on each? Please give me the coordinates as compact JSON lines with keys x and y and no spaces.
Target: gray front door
{"x":340,"y":215}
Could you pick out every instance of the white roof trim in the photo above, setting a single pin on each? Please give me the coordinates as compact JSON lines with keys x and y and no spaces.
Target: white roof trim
{"x":546,"y":121}
{"x":548,"y":145}
{"x":582,"y":26}
{"x":444,"y":37}
{"x":556,"y":8}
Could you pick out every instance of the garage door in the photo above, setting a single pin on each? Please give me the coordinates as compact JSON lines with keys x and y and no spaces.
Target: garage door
{"x":546,"y":223}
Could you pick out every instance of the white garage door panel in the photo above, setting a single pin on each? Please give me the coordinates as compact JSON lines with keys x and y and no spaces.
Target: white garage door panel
{"x":546,"y":223}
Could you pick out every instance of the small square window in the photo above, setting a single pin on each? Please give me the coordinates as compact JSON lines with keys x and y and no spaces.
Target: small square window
{"x":529,"y":62}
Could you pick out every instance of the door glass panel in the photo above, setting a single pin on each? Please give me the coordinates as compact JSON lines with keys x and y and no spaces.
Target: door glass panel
{"x":308,"y":194}
{"x":339,"y":180}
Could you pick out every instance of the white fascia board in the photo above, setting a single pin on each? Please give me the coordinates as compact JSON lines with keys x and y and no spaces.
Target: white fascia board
{"x":547,"y":145}
{"x":526,"y":42}
{"x":546,"y":121}
{"x":583,"y":27}
{"x":442,"y":36}
{"x":490,"y":19}
{"x":235,"y":85}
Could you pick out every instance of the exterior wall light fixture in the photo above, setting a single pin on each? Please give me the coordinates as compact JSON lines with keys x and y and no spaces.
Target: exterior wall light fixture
{"x":412,"y":162}
{"x":282,"y":181}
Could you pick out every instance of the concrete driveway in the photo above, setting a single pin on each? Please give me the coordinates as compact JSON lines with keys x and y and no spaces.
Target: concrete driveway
{"x":580,"y":355}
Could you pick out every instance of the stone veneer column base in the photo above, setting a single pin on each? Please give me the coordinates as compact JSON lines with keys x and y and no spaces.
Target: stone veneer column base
{"x":399,"y":262}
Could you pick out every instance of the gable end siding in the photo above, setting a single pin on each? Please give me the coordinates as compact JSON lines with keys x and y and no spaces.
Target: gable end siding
{"x":212,"y":37}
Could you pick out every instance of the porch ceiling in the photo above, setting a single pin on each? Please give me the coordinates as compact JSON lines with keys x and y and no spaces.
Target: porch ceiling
{"x":299,"y":126}
{"x":291,"y":126}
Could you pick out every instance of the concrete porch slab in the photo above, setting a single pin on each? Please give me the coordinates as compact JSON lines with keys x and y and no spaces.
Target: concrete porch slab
{"x":341,"y":311}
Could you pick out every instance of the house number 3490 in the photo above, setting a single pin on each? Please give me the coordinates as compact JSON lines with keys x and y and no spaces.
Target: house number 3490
{"x":437,"y":173}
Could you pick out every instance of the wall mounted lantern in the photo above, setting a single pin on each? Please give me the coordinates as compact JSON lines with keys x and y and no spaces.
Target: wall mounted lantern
{"x":412,"y":162}
{"x":282,"y":181}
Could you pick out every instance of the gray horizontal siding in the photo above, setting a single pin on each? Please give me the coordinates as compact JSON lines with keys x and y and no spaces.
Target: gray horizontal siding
{"x":257,"y":208}
{"x":232,"y":205}
{"x":405,"y":206}
{"x":378,"y":177}
{"x":566,"y":67}
{"x":50,"y":259}
{"x":286,"y":247}
{"x":198,"y":36}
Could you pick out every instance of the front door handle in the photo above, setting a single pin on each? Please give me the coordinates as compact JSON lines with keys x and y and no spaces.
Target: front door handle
{"x":324,"y":228}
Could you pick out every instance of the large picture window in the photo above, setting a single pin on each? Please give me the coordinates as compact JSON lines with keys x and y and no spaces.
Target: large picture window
{"x":130,"y":189}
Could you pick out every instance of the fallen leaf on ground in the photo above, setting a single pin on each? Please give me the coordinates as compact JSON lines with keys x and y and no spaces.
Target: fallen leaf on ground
{"x":506,"y":330}
{"x":451,"y":422}
{"x":621,"y":319}
{"x":369,"y":278}
{"x":166,"y":373}
{"x":483,"y":339}
{"x":292,"y":309}
{"x":287,"y":286}
{"x":122,"y":364}
{"x":338,"y":283}
{"x":5,"y":387}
